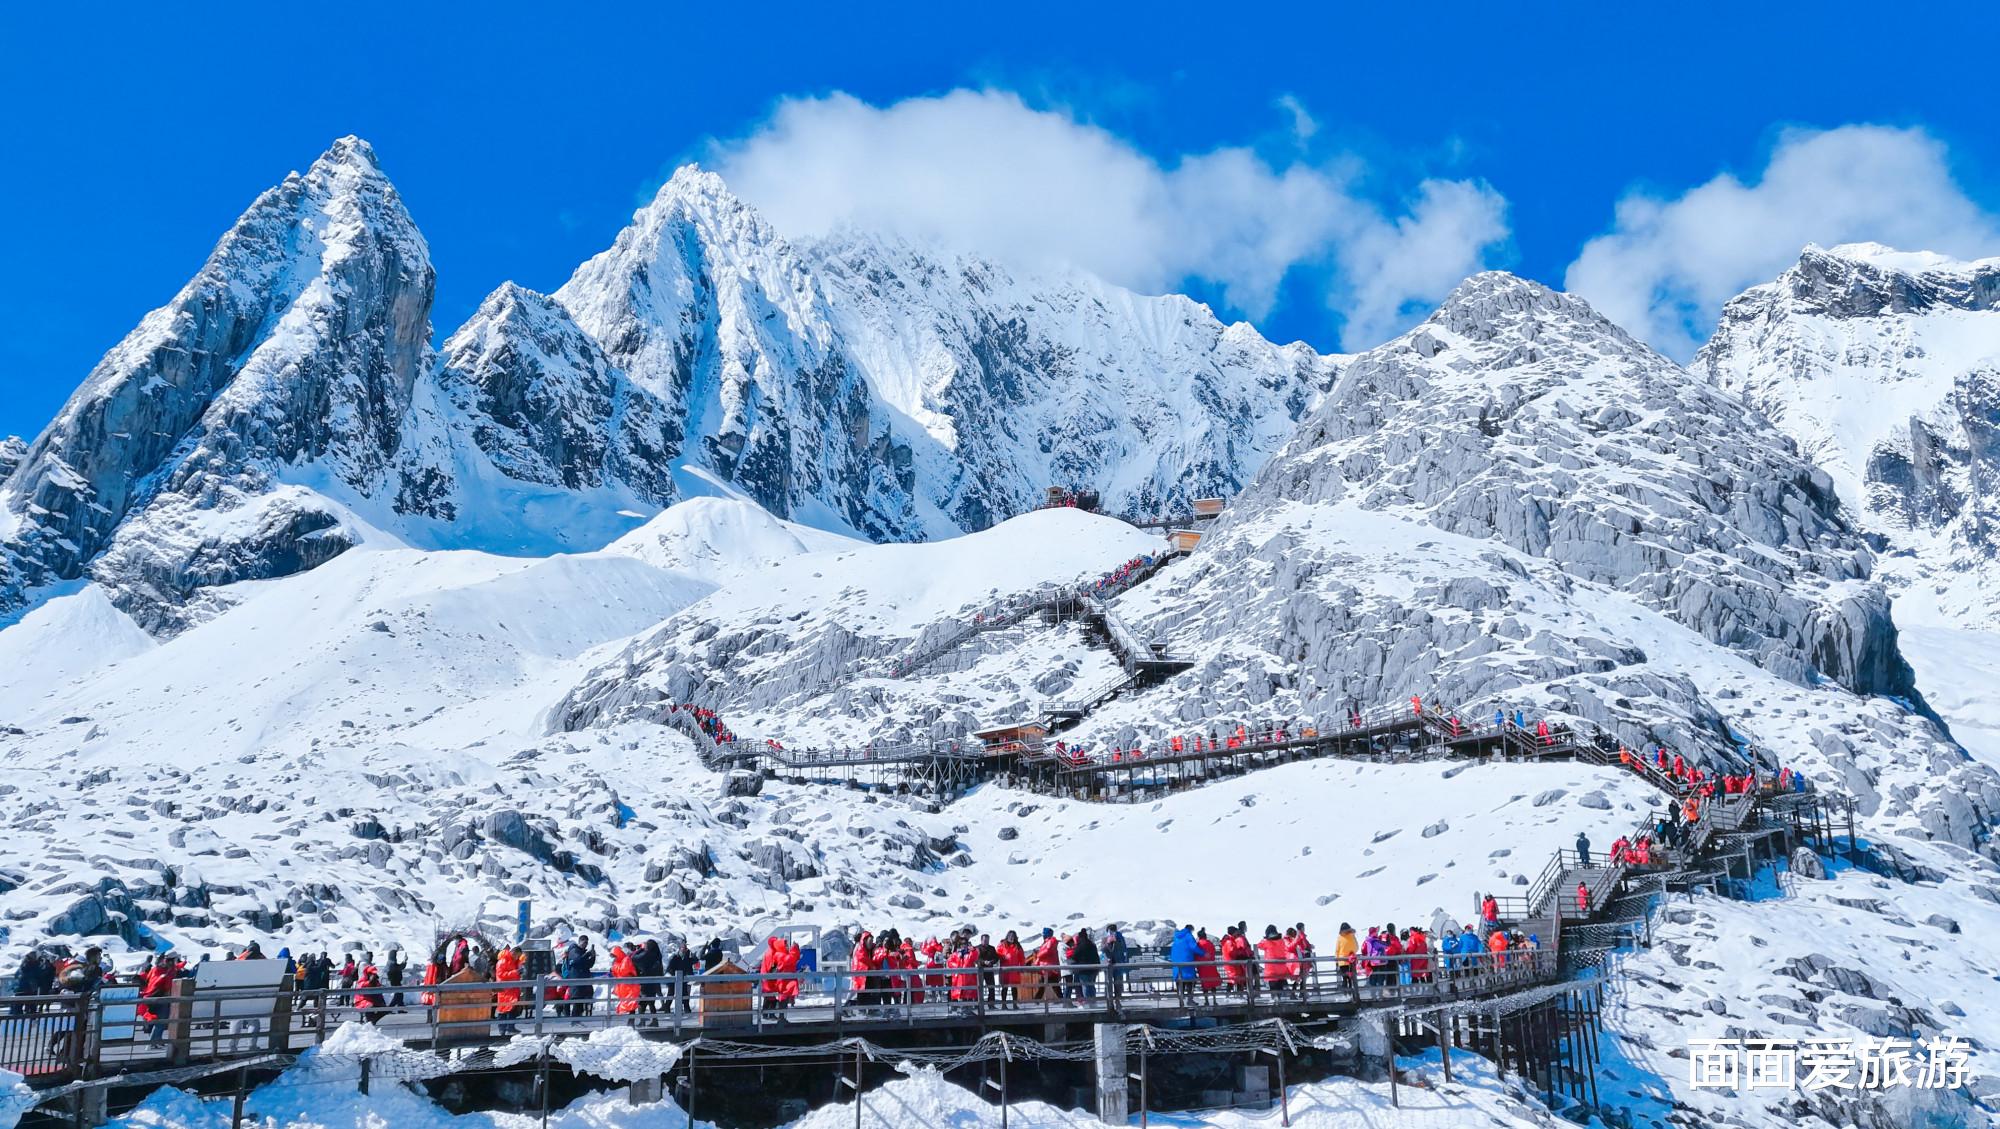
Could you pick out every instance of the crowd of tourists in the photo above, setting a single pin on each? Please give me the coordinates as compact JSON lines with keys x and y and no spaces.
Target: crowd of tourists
{"x":876,"y":971}
{"x":1122,"y":577}
{"x":706,"y":720}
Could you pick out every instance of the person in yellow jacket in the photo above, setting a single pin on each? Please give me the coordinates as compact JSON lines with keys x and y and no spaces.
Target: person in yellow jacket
{"x":1346,"y":948}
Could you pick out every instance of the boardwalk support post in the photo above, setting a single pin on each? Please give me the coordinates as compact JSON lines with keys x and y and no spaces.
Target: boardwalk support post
{"x":242,"y":1089}
{"x":1113,"y":1102}
{"x":1389,"y":1056}
{"x":1142,"y":1081}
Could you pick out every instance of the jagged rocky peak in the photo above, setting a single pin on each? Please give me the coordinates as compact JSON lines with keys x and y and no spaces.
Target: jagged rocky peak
{"x":298,"y":343}
{"x":1518,"y":416}
{"x":1884,"y":366}
{"x":1870,"y":280}
{"x":538,"y":397}
{"x":12,"y":450}
{"x":696,"y":265}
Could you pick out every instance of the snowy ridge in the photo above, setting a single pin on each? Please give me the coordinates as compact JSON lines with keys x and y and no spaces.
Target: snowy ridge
{"x":287,"y":405}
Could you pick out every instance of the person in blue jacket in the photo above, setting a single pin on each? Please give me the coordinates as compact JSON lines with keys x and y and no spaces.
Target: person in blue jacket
{"x":1184,"y":952}
{"x":579,"y":962}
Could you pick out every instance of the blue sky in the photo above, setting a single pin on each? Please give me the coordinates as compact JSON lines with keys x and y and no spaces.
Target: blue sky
{"x":1326,"y":171}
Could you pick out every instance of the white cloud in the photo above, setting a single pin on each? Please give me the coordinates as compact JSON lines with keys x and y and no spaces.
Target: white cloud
{"x":982,"y":169}
{"x":1667,"y":265}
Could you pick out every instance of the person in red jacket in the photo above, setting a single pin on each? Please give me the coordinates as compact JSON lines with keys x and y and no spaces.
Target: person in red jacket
{"x":158,"y":985}
{"x":1489,"y":912}
{"x":771,"y":988}
{"x":624,"y":965}
{"x":1206,"y":972}
{"x":1582,"y":900}
{"x":863,"y":963}
{"x":1418,"y":949}
{"x":1012,"y":957}
{"x":1276,"y":957}
{"x":1303,"y":969}
{"x":965,"y":981}
{"x":1045,"y":982}
{"x":1236,"y":959}
{"x":1393,"y":969}
{"x":934,"y":979}
{"x":911,"y":983}
{"x":368,"y":1004}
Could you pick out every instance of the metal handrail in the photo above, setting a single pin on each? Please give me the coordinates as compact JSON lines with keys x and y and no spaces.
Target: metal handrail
{"x":202,"y":1028}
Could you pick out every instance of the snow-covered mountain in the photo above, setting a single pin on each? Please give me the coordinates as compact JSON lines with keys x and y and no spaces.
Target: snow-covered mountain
{"x":322,"y":637}
{"x":179,"y":463}
{"x":287,"y":405}
{"x":1884,"y":366}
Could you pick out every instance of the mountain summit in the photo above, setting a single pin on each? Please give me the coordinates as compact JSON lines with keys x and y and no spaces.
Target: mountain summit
{"x":296,"y":346}
{"x":287,"y":404}
{"x":1884,"y":366}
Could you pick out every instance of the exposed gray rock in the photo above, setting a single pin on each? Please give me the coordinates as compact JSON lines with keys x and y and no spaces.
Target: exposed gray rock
{"x":511,"y":828}
{"x":1940,"y":921}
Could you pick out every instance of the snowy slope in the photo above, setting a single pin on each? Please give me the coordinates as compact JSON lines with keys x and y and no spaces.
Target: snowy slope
{"x":60,"y":643}
{"x":373,"y":643}
{"x":831,"y":623}
{"x":721,"y":539}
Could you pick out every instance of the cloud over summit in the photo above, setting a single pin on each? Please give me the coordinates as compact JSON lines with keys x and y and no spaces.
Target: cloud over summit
{"x":984,"y":170}
{"x":1668,"y":264}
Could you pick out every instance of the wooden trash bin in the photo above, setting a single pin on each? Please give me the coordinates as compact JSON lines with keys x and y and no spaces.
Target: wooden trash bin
{"x":463,"y":1008}
{"x":725,"y":1001}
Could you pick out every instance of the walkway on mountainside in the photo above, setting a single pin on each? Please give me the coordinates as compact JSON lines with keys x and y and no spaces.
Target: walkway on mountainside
{"x":1521,"y":1007}
{"x":1030,"y":755}
{"x":220,"y":1025}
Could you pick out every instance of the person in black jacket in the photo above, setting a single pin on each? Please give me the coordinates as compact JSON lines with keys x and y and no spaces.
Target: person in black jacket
{"x":1084,"y":959}
{"x":399,"y":965}
{"x":988,"y":960}
{"x":37,"y":977}
{"x":649,"y":962}
{"x":682,"y":964}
